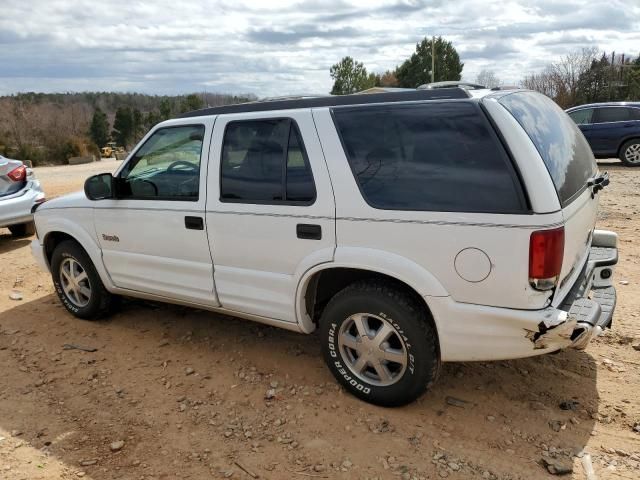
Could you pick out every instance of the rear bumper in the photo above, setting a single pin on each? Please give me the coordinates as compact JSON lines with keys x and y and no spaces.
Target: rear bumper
{"x":592,"y":299}
{"x":474,"y":332}
{"x":16,"y":208}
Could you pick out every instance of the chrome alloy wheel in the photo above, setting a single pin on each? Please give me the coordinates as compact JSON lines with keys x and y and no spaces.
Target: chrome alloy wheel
{"x":372,"y":349}
{"x":632,"y":153}
{"x":75,"y":282}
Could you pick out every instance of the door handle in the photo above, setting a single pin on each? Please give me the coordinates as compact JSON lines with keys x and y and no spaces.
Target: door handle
{"x":309,"y":232}
{"x":194,"y":223}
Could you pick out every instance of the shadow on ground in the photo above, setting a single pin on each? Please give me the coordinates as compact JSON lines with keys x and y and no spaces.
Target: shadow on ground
{"x":185,"y":390}
{"x":8,"y":243}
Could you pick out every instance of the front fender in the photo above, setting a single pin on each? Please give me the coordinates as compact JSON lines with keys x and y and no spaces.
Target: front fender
{"x":373,"y":260}
{"x":79,"y":226}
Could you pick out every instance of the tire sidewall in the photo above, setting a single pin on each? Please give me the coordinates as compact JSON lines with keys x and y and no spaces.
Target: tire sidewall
{"x":623,"y":151}
{"x":62,"y":252}
{"x":420,"y":363}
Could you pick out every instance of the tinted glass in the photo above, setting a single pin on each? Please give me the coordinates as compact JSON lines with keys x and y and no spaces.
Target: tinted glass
{"x":582,"y":116}
{"x":611,"y":114}
{"x":634,"y":113}
{"x":561,"y":145}
{"x":300,"y":186}
{"x":253,"y":165}
{"x":437,"y":157}
{"x":166,"y":167}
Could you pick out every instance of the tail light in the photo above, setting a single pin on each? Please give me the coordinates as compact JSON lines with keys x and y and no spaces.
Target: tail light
{"x":546,"y":249}
{"x":18,"y":174}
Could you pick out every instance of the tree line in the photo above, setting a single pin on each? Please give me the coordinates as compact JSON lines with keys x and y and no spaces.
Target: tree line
{"x":51,"y":128}
{"x":351,"y":76}
{"x":588,"y":76}
{"x":583,"y":76}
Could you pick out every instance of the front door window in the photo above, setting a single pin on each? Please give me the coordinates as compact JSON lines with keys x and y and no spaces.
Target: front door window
{"x":165,"y":167}
{"x":582,"y":116}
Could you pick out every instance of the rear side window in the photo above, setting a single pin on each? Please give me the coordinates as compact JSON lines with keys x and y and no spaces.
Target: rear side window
{"x":431,"y":157}
{"x":561,"y":145}
{"x":264,"y":161}
{"x":582,"y":116}
{"x":612,"y":114}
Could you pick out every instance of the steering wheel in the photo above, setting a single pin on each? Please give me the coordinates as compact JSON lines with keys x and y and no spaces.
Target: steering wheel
{"x":182,"y":163}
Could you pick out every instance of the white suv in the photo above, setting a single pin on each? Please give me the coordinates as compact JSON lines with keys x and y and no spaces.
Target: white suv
{"x":408,"y":228}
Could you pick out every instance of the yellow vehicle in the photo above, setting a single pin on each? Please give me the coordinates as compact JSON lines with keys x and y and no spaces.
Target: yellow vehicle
{"x":110,"y":150}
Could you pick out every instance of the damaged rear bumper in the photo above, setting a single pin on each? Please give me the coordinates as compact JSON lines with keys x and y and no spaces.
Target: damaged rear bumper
{"x":590,"y":303}
{"x":473,"y":332}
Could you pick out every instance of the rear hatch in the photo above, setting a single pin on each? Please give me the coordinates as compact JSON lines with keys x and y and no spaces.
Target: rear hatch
{"x":13,"y":176}
{"x":571,"y":165}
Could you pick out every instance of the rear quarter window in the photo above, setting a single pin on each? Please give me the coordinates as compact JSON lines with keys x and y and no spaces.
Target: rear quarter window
{"x":561,"y":145}
{"x":440,"y":156}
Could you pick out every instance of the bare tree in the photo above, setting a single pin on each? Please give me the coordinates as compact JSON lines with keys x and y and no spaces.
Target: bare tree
{"x":543,"y":82}
{"x":561,"y":80}
{"x":488,"y":78}
{"x":388,"y":79}
{"x":567,"y":73}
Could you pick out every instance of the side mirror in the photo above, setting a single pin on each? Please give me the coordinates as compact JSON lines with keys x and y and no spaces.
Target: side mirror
{"x":100,"y":187}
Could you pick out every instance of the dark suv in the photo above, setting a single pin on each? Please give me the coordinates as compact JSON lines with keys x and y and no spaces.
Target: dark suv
{"x":612,"y":129}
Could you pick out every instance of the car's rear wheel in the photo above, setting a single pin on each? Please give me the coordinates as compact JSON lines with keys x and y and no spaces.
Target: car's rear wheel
{"x":630,"y":153}
{"x":77,"y":282}
{"x":379,"y":343}
{"x":22,"y":229}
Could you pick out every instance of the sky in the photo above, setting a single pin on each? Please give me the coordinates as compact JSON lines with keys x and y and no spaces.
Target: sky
{"x":279,"y":48}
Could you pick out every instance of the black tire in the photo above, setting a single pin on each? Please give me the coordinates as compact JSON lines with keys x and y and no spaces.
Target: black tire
{"x":22,"y":229}
{"x":100,"y":302}
{"x":631,"y":144}
{"x":411,"y":322}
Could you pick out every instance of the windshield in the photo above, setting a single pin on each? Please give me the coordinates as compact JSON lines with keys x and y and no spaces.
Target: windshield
{"x":563,"y":148}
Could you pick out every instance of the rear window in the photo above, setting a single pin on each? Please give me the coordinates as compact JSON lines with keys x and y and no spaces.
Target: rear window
{"x":441,"y":156}
{"x":612,"y":114}
{"x":561,"y":145}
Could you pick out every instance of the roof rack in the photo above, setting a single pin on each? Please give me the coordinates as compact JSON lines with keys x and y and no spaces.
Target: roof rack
{"x":451,"y":84}
{"x":505,"y":87}
{"x":292,"y":97}
{"x":332,"y":101}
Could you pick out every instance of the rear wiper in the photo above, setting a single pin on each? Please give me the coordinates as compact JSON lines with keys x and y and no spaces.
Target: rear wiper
{"x":598,"y":183}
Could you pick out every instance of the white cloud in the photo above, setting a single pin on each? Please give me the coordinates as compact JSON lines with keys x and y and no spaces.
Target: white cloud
{"x":280,"y":47}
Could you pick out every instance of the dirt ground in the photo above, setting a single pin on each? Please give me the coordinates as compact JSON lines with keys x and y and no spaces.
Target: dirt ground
{"x":172,"y":392}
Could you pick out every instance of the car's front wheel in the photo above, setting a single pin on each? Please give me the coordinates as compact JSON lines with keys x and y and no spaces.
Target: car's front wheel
{"x":77,"y":282}
{"x":630,"y":153}
{"x":22,"y":229}
{"x":379,"y":343}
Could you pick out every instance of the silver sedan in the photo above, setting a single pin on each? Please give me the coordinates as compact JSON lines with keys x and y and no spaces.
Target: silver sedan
{"x":19,"y":193}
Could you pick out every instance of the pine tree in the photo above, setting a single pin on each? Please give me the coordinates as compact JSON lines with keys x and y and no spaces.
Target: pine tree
{"x":416,"y":70}
{"x":99,"y":128}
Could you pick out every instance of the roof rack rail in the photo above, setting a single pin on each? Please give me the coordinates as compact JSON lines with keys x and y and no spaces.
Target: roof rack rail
{"x":451,"y":84}
{"x":506,"y":87}
{"x":293,"y":97}
{"x":333,"y":101}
